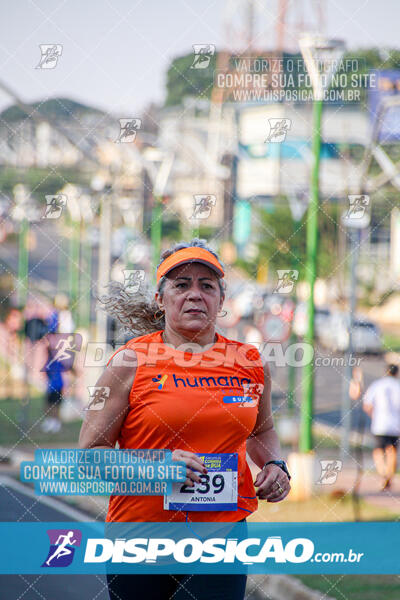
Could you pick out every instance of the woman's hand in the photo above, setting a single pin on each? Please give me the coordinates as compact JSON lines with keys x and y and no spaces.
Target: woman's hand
{"x":193,"y":463}
{"x":272,"y":483}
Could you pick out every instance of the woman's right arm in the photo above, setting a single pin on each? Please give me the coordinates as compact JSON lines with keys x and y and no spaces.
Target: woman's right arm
{"x":101,"y":428}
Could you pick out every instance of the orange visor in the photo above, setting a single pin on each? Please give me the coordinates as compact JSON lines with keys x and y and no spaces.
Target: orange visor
{"x":189,"y":255}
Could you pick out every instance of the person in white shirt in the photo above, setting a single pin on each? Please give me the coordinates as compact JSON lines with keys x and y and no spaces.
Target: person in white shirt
{"x":382,"y":404}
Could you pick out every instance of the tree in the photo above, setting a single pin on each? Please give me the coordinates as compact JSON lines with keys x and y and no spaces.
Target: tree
{"x":183,"y":81}
{"x":282,"y":241}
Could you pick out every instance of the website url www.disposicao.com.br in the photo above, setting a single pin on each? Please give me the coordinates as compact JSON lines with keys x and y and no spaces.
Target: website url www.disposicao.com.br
{"x":213,"y":550}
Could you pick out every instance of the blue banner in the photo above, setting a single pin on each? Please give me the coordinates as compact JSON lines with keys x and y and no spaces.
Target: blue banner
{"x":383,"y":84}
{"x":90,"y":548}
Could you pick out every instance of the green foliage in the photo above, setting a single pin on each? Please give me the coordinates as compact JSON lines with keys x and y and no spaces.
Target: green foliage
{"x":208,"y":232}
{"x":248,"y":267}
{"x":171,"y":229}
{"x":375,"y":58}
{"x":183,"y":81}
{"x":391,"y":342}
{"x":283,"y":242}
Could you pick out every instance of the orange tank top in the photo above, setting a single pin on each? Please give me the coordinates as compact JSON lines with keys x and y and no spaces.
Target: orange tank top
{"x":177,"y":401}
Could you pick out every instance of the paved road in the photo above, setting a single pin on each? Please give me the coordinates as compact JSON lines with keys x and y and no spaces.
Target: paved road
{"x":18,"y":503}
{"x":329,"y":387}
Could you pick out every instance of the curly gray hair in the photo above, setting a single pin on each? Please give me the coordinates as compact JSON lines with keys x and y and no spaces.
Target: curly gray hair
{"x":137,"y":313}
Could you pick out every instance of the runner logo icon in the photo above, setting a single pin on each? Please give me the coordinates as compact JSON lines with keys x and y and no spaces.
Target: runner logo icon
{"x":62,"y":547}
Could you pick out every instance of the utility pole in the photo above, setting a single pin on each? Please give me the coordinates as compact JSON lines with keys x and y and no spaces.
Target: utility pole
{"x":354,"y":235}
{"x":353,"y":224}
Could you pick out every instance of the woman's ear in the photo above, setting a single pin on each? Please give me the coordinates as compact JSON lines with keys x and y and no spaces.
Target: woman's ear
{"x":158,"y":299}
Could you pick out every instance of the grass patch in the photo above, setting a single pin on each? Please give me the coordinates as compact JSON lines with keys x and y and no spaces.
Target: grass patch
{"x":356,"y":587}
{"x":323,"y":441}
{"x":13,"y":430}
{"x":326,"y":442}
{"x":321,"y":508}
{"x":325,"y":508}
{"x":391,"y":342}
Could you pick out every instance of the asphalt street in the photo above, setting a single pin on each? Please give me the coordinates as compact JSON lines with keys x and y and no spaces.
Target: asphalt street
{"x":330,"y":384}
{"x":18,"y":503}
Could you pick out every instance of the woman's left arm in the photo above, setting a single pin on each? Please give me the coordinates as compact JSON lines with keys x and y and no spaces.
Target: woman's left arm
{"x":263,"y":445}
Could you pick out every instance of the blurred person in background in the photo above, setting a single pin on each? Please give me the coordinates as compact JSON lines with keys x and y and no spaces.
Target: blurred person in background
{"x":382,"y":404}
{"x":59,"y":324}
{"x":65,"y":321}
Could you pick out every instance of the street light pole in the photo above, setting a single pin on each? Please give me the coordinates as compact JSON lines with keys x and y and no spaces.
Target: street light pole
{"x":321,"y":57}
{"x":21,"y":195}
{"x":306,"y":442}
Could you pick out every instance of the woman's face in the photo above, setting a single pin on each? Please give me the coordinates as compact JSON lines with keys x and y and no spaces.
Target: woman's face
{"x":191,"y":297}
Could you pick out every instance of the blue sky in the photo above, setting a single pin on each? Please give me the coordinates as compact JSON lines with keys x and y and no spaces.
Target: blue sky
{"x":116,"y":52}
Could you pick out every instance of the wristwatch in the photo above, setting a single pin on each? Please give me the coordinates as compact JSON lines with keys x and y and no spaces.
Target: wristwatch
{"x":281,"y":464}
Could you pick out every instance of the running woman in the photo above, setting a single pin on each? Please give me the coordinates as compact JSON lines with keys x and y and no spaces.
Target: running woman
{"x":180,"y":385}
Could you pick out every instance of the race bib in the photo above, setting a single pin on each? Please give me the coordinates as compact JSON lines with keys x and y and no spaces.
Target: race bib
{"x":218,"y":489}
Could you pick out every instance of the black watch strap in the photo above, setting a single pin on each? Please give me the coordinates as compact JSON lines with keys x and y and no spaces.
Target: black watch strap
{"x":281,"y":464}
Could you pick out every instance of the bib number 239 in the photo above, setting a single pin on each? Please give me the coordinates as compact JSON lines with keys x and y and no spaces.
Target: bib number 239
{"x":216,"y":491}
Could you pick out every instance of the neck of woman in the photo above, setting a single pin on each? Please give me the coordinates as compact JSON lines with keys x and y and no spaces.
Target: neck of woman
{"x":201,"y":339}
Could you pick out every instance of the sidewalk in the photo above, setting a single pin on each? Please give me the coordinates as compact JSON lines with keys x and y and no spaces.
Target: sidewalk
{"x":370,"y":483}
{"x":369,"y":488}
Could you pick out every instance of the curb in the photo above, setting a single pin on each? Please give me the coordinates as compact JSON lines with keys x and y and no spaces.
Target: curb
{"x":279,"y":587}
